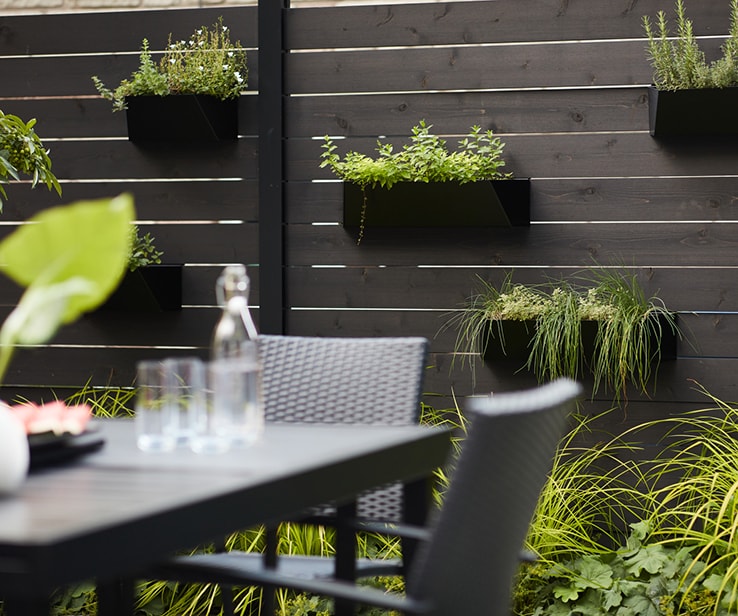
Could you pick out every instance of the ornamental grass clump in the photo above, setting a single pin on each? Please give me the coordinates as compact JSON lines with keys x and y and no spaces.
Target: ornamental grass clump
{"x":679,"y":63}
{"x":23,"y":153}
{"x":208,"y":63}
{"x":629,"y":327}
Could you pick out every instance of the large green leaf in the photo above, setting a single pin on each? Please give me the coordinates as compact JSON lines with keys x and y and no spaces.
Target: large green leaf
{"x":70,"y":258}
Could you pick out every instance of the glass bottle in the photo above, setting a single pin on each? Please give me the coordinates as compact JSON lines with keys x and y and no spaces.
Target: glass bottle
{"x":234,"y":371}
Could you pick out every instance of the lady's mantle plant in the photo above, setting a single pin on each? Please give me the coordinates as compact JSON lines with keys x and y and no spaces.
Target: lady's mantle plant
{"x":679,"y":63}
{"x":208,"y":63}
{"x":23,"y":153}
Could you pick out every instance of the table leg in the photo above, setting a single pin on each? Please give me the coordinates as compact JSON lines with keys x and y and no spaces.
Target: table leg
{"x":345,"y":553}
{"x":115,"y":597}
{"x":417,"y":499}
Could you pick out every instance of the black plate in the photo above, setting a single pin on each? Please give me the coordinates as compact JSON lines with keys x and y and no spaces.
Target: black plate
{"x":49,"y":449}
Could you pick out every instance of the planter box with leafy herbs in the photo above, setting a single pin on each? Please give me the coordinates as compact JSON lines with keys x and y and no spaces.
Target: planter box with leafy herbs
{"x":691,"y":97}
{"x":425,"y":185}
{"x":190,"y":95}
{"x":604,"y":325}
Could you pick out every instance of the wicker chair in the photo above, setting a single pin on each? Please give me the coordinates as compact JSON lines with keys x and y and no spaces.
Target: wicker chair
{"x":471,"y":555}
{"x":337,"y":380}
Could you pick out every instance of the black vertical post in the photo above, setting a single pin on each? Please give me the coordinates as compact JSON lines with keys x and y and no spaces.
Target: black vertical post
{"x":271,"y":166}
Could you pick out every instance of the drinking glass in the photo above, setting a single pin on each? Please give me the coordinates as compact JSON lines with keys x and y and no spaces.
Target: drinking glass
{"x":155,"y":426}
{"x":186,"y":393}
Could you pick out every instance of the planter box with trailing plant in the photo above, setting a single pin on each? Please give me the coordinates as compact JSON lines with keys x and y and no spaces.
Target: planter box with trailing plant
{"x":190,"y":95}
{"x":486,"y":203}
{"x":181,"y":118}
{"x":425,"y":185}
{"x":691,"y":97}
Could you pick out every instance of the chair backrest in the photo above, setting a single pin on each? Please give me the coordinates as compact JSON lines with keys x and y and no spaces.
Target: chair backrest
{"x":346,"y":380}
{"x":342,"y":380}
{"x":469,"y":564}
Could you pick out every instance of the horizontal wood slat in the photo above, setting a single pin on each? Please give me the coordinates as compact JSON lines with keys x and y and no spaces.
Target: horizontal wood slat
{"x":468,"y":68}
{"x":72,"y":75}
{"x":96,"y":32}
{"x":544,"y":111}
{"x":94,"y":117}
{"x":665,"y":244}
{"x":486,"y":22}
{"x":177,"y":200}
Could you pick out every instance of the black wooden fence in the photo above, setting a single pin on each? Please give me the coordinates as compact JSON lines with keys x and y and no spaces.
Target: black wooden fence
{"x":562,"y":83}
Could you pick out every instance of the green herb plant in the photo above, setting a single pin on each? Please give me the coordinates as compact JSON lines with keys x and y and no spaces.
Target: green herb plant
{"x":627,"y":345}
{"x":143,"y":250}
{"x":679,"y":63}
{"x":23,"y":153}
{"x":207,"y":63}
{"x":425,"y":159}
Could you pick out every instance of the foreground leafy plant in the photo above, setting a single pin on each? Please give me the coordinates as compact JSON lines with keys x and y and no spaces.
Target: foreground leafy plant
{"x":69,"y":260}
{"x":22,"y":152}
{"x":680,"y":64}
{"x":207,"y":63}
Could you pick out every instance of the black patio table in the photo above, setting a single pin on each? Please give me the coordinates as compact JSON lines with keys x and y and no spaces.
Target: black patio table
{"x":113,"y":513}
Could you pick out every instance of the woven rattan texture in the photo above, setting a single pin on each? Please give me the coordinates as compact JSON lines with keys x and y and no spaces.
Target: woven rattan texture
{"x":346,"y":380}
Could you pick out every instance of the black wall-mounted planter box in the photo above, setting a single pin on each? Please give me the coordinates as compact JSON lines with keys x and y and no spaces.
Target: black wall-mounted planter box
{"x":488,"y":203}
{"x":693,"y":113}
{"x":153,"y":288}
{"x":518,"y":336}
{"x":181,"y":118}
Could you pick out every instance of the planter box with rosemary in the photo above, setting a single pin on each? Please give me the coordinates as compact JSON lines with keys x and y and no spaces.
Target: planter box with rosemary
{"x":604,"y":325}
{"x":425,"y":185}
{"x":190,"y":95}
{"x":691,"y":97}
